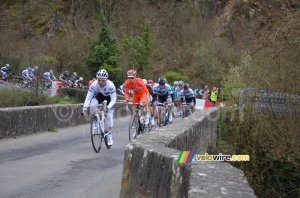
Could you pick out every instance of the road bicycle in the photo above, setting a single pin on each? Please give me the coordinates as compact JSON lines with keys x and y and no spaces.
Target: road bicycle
{"x":186,"y":109}
{"x":99,"y":127}
{"x":137,"y":124}
{"x":165,"y":113}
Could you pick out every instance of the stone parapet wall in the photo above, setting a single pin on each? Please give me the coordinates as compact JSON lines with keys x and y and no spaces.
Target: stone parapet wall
{"x":25,"y":120}
{"x":150,"y":168}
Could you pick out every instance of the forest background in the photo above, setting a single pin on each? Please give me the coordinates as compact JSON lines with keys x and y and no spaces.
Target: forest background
{"x":232,"y":44}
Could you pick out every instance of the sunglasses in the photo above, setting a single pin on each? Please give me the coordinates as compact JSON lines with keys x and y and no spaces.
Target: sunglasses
{"x":101,"y":80}
{"x":180,"y":85}
{"x":161,"y":83}
{"x":130,"y":77}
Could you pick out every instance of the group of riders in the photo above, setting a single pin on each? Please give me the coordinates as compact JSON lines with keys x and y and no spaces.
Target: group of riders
{"x":148,"y":94}
{"x":29,"y":73}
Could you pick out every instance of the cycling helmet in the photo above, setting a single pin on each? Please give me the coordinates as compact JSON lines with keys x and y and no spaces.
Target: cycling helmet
{"x":29,"y":69}
{"x":36,"y":67}
{"x":66,"y":73}
{"x":102,"y":74}
{"x":186,"y":86}
{"x":51,"y":71}
{"x":131,"y":73}
{"x":175,"y":83}
{"x":162,"y":81}
{"x":75,"y":73}
{"x":180,"y":82}
{"x":80,"y":79}
{"x":7,"y":66}
{"x":145,"y":81}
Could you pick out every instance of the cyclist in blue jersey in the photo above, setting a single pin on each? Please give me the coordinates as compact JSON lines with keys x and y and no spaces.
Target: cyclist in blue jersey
{"x":187,"y":95}
{"x":163,"y":93}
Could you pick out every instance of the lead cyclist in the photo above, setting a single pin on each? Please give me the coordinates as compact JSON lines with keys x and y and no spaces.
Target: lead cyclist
{"x":100,"y":90}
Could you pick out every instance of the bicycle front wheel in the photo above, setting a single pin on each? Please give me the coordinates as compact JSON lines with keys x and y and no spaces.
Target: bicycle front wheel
{"x":96,"y":135}
{"x":133,"y":128}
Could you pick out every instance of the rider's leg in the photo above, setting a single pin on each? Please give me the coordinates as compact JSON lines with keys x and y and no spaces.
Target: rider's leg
{"x":169,"y":102}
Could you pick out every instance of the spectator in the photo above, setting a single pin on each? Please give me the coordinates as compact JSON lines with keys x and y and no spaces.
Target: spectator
{"x":214,"y":96}
{"x":206,"y":93}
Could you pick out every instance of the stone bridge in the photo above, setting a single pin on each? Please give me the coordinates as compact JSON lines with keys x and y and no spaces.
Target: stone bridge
{"x":150,"y":168}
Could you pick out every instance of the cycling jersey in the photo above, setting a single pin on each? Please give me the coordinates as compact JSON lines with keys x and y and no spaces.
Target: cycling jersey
{"x":26,"y":73}
{"x":63,"y":77}
{"x":4,"y":72}
{"x":188,"y":96}
{"x":162,"y":94}
{"x":48,"y":76}
{"x":108,"y":91}
{"x":139,"y":90}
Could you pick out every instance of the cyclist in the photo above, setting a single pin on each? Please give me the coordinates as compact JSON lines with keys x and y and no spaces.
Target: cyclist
{"x":175,"y":85}
{"x":100,"y":90}
{"x":79,"y":83}
{"x":187,"y":95}
{"x":4,"y":72}
{"x":35,"y":69}
{"x":91,"y":81}
{"x":140,"y":92}
{"x":73,"y":79}
{"x":64,"y":78}
{"x":27,"y":75}
{"x":49,"y":77}
{"x":178,"y":90}
{"x":151,"y":101}
{"x":163,"y":93}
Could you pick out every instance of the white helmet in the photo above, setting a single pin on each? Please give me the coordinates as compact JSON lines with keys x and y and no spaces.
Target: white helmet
{"x":51,"y":71}
{"x":7,"y":66}
{"x":102,"y":74}
{"x":80,"y":79}
{"x":175,"y":83}
{"x":29,"y":69}
{"x":36,"y":67}
{"x":145,"y":81}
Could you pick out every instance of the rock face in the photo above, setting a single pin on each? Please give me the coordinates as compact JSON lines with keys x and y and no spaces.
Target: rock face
{"x":150,"y":168}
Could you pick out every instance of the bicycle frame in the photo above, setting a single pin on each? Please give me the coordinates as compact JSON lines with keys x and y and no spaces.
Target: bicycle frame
{"x":186,"y":108}
{"x":101,"y":132}
{"x":164,"y":116}
{"x":135,"y":122}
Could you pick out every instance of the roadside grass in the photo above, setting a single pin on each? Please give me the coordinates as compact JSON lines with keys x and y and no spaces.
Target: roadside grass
{"x":20,"y":98}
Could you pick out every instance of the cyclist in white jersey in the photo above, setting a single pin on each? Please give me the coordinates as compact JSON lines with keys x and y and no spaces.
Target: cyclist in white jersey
{"x":100,"y":90}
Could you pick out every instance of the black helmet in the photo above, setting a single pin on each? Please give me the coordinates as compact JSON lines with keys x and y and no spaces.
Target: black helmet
{"x":186,"y":86}
{"x":162,"y":81}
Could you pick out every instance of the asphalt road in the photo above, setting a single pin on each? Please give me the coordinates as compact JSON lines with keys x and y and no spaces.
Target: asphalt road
{"x":62,"y":164}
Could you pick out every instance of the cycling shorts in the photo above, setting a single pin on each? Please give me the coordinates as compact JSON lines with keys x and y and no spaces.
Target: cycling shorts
{"x":138,"y":97}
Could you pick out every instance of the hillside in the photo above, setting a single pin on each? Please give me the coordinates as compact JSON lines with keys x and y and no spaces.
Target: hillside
{"x":200,"y":39}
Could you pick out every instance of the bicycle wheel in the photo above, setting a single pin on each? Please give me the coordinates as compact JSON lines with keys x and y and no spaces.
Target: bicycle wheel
{"x":105,"y":132}
{"x":96,"y":136}
{"x":133,"y":127}
{"x":162,"y":119}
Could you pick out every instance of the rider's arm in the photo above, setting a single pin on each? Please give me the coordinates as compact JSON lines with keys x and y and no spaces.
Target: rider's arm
{"x":194,"y":100}
{"x":88,"y":98}
{"x":126,"y":88}
{"x":113,"y":99}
